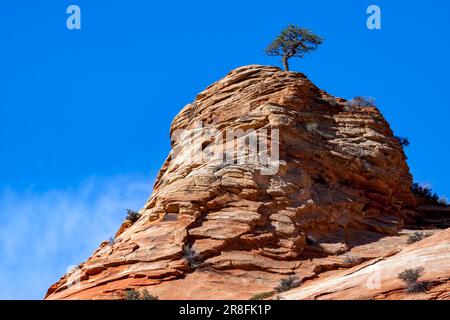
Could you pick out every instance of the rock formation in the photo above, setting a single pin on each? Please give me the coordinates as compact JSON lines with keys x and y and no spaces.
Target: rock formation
{"x":228,"y":230}
{"x":360,"y":282}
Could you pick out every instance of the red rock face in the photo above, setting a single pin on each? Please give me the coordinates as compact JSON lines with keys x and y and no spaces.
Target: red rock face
{"x":214,"y":230}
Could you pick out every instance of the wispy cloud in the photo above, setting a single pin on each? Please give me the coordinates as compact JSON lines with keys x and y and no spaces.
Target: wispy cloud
{"x":43,"y":233}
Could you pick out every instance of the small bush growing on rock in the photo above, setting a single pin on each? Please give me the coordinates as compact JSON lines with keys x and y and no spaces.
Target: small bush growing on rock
{"x":417,"y":236}
{"x":311,"y":127}
{"x":411,"y":275}
{"x":404,"y":142}
{"x":426,"y":194}
{"x":262,"y":295}
{"x":420,"y":286}
{"x":352,"y":259}
{"x":132,"y":215}
{"x":411,"y":278}
{"x":147,"y":296}
{"x":132,"y":294}
{"x":361,"y":102}
{"x":287,"y":284}
{"x":191,"y":256}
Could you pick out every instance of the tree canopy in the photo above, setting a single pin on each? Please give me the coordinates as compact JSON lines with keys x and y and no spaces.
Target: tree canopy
{"x":293,"y":41}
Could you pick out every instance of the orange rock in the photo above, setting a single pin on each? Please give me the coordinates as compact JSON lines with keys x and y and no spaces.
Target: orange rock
{"x":378,"y":278}
{"x":340,"y":174}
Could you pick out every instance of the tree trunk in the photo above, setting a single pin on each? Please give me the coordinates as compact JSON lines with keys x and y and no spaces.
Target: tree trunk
{"x":285,"y":63}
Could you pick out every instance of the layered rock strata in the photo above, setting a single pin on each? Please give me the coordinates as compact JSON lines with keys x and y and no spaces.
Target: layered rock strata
{"x":229,"y":224}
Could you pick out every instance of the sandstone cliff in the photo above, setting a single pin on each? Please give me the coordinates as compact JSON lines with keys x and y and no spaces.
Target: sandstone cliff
{"x":213,"y":230}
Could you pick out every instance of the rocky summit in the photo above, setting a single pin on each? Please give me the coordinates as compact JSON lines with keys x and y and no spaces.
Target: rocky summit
{"x":318,"y":200}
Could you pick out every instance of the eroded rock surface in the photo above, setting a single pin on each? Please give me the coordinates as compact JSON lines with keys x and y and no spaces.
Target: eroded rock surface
{"x":378,"y":278}
{"x":212,"y":230}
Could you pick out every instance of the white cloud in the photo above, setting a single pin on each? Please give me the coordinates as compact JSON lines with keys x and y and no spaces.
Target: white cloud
{"x":43,"y":233}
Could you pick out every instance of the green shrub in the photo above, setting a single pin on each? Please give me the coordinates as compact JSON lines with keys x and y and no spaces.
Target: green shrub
{"x":132,"y":215}
{"x":352,"y":259}
{"x":416,"y":287}
{"x":262,"y":295}
{"x":427,"y":195}
{"x":192,"y":257}
{"x":411,"y":275}
{"x":147,"y":296}
{"x":361,"y":102}
{"x":424,"y":192}
{"x":411,"y":278}
{"x":404,"y":142}
{"x":132,"y":294}
{"x":417,"y":236}
{"x":287,"y":284}
{"x":293,"y":41}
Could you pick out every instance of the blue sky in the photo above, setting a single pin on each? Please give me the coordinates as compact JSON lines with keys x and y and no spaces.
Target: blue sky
{"x":85,"y":114}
